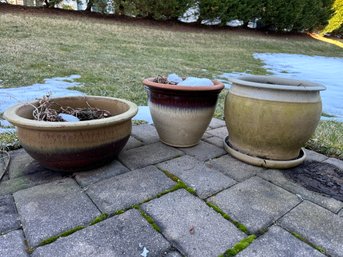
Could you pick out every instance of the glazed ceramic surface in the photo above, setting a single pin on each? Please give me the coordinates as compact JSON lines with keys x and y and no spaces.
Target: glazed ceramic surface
{"x":270,"y":117}
{"x":181,"y":114}
{"x":72,"y":146}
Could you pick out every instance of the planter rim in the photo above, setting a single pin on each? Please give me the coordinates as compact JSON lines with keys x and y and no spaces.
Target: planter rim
{"x":217,"y":86}
{"x":11,"y":115}
{"x":277,"y":83}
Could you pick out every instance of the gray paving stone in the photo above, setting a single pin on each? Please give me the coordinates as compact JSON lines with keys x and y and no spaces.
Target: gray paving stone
{"x":196,"y":174}
{"x":12,"y":245}
{"x":214,"y":141}
{"x":132,"y":143}
{"x":218,"y":132}
{"x":126,"y":235}
{"x":49,"y":209}
{"x":173,"y":254}
{"x":204,"y":151}
{"x":4,"y":162}
{"x":340,"y":214}
{"x":123,"y":191}
{"x":22,"y":164}
{"x":146,"y":133}
{"x":191,"y":226}
{"x":336,"y":162}
{"x":148,"y":155}
{"x":279,"y":243}
{"x":92,"y":176}
{"x":13,"y":185}
{"x":255,"y":203}
{"x":277,"y":178}
{"x":9,"y":217}
{"x":314,"y":156}
{"x":317,"y":225}
{"x":206,"y":135}
{"x":217,"y":123}
{"x":234,"y":168}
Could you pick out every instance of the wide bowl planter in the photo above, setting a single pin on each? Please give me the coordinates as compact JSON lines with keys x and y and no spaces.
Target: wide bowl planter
{"x":271,"y":118}
{"x":181,"y":114}
{"x":74,"y":146}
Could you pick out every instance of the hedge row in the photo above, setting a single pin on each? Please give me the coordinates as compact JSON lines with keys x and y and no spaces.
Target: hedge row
{"x":281,"y":15}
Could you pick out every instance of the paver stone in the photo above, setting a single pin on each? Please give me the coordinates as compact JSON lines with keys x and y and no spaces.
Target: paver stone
{"x":279,"y":243}
{"x":317,"y":225}
{"x":125,"y":235}
{"x":12,"y":245}
{"x":196,"y":174}
{"x":50,"y":209}
{"x":255,"y":203}
{"x":123,"y":191}
{"x":191,"y":226}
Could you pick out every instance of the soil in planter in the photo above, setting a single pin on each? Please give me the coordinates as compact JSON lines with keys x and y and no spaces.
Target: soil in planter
{"x":48,"y":110}
{"x":163,"y":80}
{"x":319,"y":177}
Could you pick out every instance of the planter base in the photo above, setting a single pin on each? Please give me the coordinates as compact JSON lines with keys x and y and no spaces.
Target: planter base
{"x":266,"y":163}
{"x":179,"y":145}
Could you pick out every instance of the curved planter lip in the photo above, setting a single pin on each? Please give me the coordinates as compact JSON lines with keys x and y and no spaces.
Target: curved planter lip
{"x":217,"y":86}
{"x":277,"y":83}
{"x":11,"y":115}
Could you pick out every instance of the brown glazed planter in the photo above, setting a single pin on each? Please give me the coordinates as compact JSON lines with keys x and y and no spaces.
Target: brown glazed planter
{"x":74,"y":146}
{"x":181,"y":114}
{"x":270,"y":118}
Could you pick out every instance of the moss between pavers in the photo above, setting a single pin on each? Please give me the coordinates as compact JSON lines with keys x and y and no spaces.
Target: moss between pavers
{"x":63,"y":234}
{"x":149,"y":219}
{"x":318,"y":248}
{"x":99,"y":218}
{"x":49,"y":240}
{"x":180,"y":184}
{"x":238,"y":247}
{"x":240,"y":226}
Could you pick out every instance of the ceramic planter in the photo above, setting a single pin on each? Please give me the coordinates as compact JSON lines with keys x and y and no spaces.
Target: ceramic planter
{"x":269,"y":119}
{"x":73,"y":146}
{"x":181,"y":114}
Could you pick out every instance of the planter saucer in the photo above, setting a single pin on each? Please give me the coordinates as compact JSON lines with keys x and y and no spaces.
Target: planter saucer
{"x":266,"y":163}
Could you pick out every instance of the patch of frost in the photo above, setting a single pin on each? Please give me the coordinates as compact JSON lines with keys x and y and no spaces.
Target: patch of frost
{"x":193,"y":81}
{"x":144,"y":114}
{"x":191,"y":15}
{"x":145,"y":252}
{"x":320,"y":69}
{"x":56,"y":87}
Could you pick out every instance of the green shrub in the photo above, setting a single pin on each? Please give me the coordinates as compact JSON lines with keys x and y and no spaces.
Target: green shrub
{"x":156,"y":9}
{"x":280,"y":15}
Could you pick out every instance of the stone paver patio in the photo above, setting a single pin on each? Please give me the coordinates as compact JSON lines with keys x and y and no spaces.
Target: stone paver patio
{"x":157,"y":201}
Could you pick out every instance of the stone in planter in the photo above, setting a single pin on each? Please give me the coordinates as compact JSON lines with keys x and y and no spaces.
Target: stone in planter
{"x":181,"y":114}
{"x":74,"y":146}
{"x":269,"y":119}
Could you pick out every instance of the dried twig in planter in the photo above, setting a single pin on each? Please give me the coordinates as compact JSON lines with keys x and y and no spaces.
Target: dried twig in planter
{"x":48,"y":110}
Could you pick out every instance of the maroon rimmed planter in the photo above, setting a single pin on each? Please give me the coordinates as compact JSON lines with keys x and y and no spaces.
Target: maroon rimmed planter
{"x":181,"y":114}
{"x":74,"y":146}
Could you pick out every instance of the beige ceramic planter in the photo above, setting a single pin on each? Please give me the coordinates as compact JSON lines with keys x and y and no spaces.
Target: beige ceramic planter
{"x":72,"y":146}
{"x":181,"y":114}
{"x":271,"y":118}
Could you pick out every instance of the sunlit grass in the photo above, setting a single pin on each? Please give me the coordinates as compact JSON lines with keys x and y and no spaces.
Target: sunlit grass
{"x":328,"y":139}
{"x":114,"y":57}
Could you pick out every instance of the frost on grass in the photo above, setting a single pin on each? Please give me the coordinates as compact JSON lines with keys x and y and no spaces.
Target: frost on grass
{"x":55,"y":86}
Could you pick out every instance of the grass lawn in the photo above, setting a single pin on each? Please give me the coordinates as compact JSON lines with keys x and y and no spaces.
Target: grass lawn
{"x":113,"y":57}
